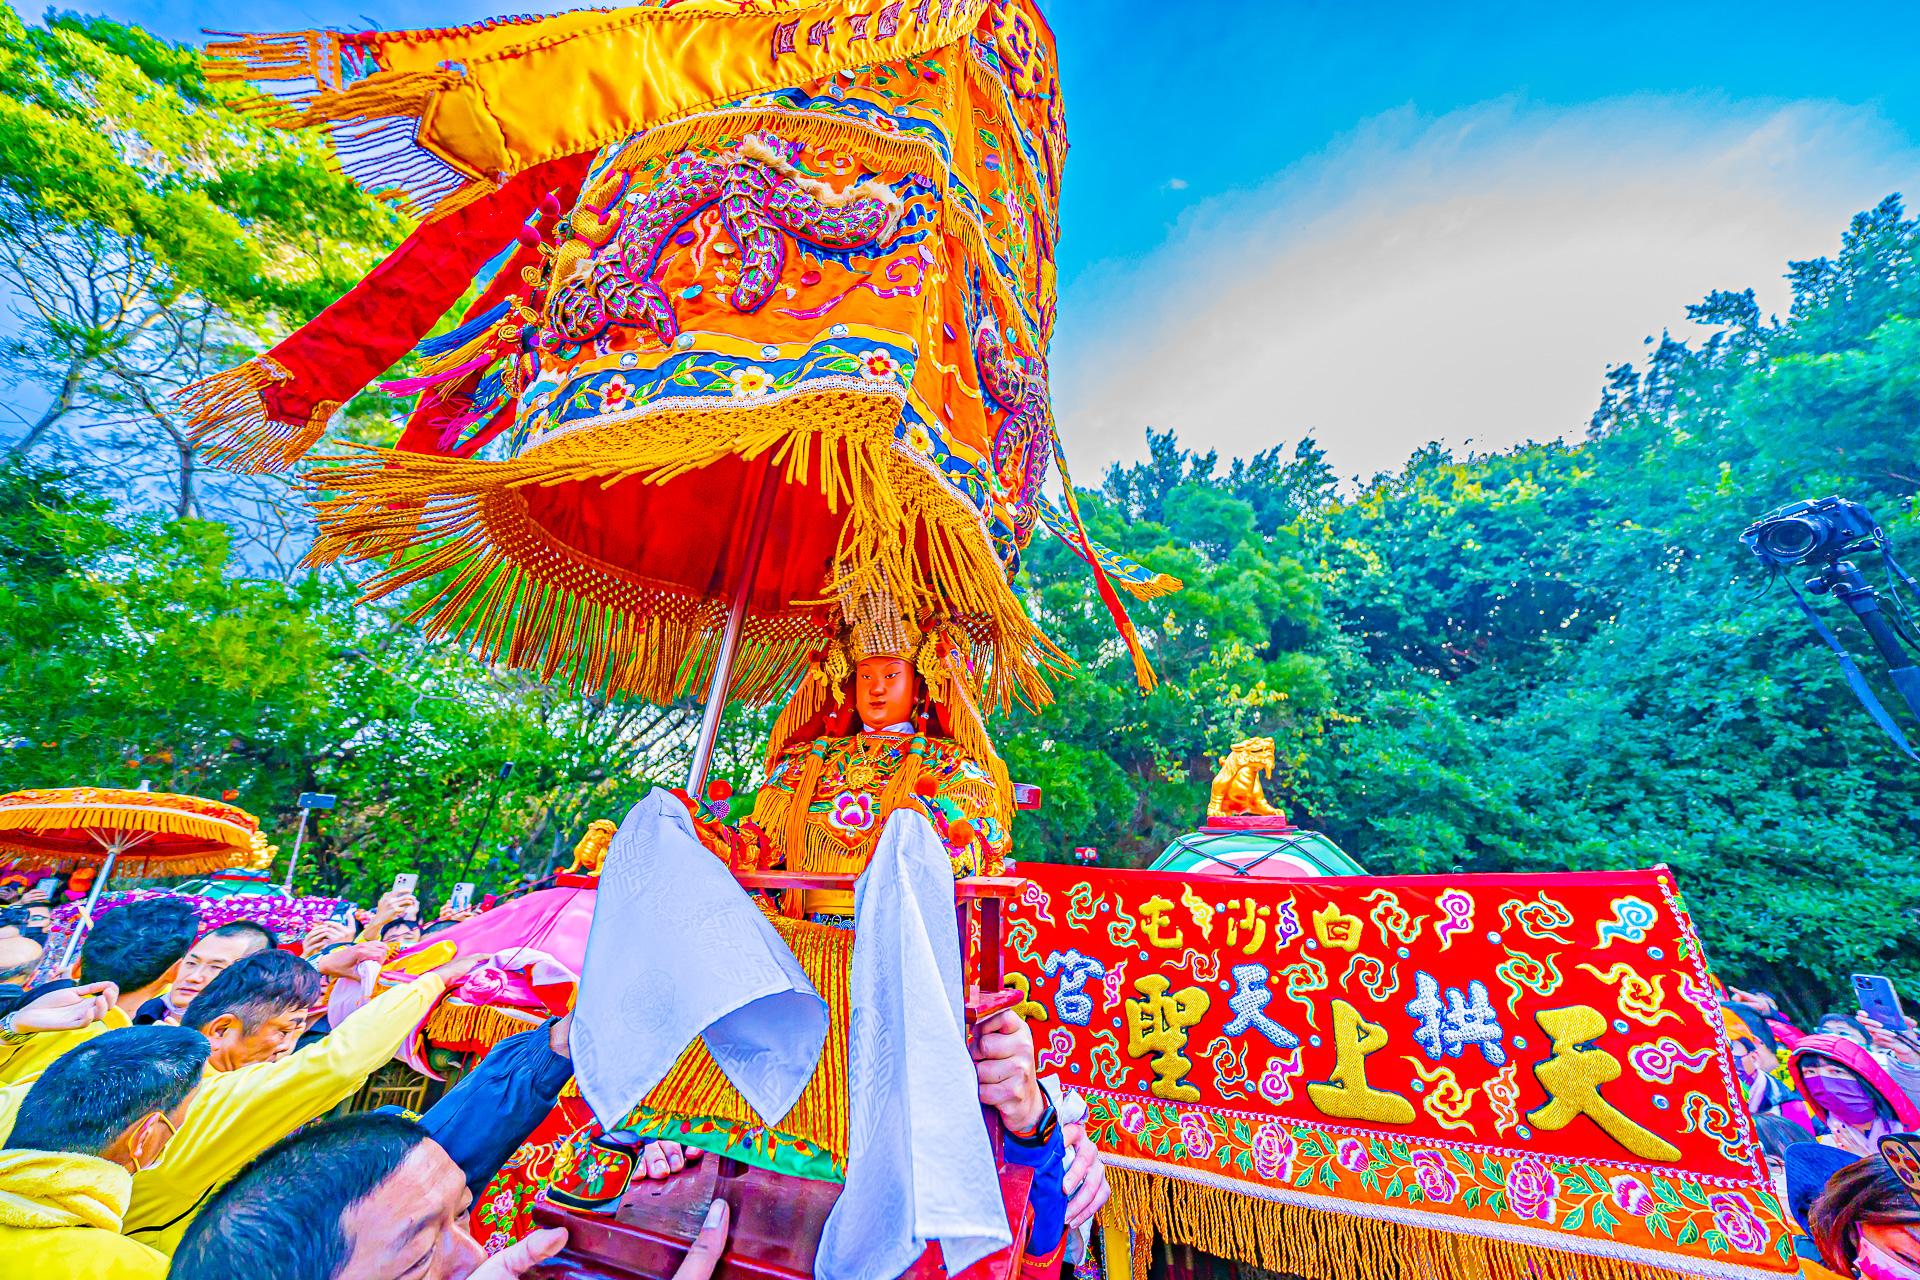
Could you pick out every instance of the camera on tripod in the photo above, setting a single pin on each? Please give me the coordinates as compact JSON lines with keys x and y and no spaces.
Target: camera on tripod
{"x":1820,"y":535}
{"x":1809,"y":532}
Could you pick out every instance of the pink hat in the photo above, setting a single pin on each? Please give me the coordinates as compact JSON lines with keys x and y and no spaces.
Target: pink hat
{"x":1857,"y":1060}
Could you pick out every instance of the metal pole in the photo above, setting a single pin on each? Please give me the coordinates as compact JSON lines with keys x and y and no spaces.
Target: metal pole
{"x":294,"y":861}
{"x":730,"y":642}
{"x":85,"y":921}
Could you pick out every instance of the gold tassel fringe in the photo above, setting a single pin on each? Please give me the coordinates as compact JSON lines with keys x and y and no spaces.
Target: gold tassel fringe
{"x":225,"y":415}
{"x":808,"y":701}
{"x":518,"y":595}
{"x":697,"y":1087}
{"x":455,"y":1022}
{"x":1323,"y":1244}
{"x":232,"y":845}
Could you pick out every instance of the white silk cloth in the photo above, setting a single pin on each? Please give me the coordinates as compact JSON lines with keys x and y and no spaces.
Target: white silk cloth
{"x":679,"y":950}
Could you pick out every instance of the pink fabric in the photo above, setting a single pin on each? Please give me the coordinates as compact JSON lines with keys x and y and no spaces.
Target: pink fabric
{"x":1858,"y":1060}
{"x":549,"y":927}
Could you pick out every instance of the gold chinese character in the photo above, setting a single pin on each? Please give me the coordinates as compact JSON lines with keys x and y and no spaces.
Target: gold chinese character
{"x":1335,"y":928}
{"x":1159,"y":1023}
{"x":1153,"y":919}
{"x":1573,"y":1076}
{"x":1348,"y":1095}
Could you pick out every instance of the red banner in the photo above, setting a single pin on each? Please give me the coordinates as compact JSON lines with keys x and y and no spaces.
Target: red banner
{"x":1538,"y":1060}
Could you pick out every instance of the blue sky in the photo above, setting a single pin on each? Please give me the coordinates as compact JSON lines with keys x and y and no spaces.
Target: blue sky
{"x":1384,"y":223}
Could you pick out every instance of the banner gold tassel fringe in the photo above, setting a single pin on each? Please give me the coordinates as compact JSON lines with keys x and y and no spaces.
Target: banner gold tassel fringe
{"x":1321,"y":1244}
{"x":226,"y":416}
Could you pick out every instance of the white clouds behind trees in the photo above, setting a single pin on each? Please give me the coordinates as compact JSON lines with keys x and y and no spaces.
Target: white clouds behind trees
{"x":1465,"y":278}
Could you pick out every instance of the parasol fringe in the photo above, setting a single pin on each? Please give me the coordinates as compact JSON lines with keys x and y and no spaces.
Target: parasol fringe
{"x":516,"y":595}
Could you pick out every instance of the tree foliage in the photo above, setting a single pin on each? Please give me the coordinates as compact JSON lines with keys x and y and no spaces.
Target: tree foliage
{"x":1556,"y":657}
{"x":1553,"y":657}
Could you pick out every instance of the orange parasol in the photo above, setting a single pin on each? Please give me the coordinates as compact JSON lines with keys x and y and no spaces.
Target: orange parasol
{"x":149,"y":832}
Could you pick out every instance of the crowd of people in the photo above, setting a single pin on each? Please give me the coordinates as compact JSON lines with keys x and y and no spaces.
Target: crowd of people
{"x":1824,"y":1103}
{"x":163,"y":1108}
{"x":168,"y":1108}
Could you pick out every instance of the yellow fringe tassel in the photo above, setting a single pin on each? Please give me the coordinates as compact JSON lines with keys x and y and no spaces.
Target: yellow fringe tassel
{"x":230,"y":845}
{"x":453,"y":1022}
{"x":225,"y":414}
{"x":517,"y":594}
{"x":1323,"y":1244}
{"x":697,"y":1087}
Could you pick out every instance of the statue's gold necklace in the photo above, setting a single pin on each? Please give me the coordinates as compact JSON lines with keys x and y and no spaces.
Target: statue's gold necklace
{"x":863,"y":770}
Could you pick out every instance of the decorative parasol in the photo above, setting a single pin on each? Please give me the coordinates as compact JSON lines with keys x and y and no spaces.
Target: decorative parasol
{"x":794,"y":290}
{"x":150,"y":833}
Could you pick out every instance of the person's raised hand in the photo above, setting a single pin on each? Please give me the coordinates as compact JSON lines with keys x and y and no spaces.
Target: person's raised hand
{"x":660,"y":1160}
{"x":1759,"y":1004}
{"x":67,"y":1009}
{"x":459,"y":967}
{"x":324,"y":934}
{"x":1003,"y":1062}
{"x":1900,"y":1047}
{"x":341,"y":962}
{"x":395,"y":906}
{"x":515,"y":1261}
{"x":1086,"y":1179}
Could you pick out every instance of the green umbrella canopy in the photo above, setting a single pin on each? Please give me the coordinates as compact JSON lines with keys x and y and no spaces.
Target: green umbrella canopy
{"x":1280,"y":853}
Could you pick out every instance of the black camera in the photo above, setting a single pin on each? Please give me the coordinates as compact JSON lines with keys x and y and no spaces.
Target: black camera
{"x":1809,"y":532}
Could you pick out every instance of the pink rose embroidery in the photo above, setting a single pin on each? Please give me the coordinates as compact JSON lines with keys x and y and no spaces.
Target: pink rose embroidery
{"x":1632,"y":1195}
{"x":1531,"y":1188}
{"x":1735,"y":1218}
{"x":503,"y":1203}
{"x":1352,"y":1154}
{"x":1133,"y":1117}
{"x":1273,"y":1152}
{"x":1436,"y":1181}
{"x":852,"y":812}
{"x":1195,"y":1136}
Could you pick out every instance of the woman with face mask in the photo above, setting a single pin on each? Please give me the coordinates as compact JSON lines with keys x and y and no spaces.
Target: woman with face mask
{"x":1851,"y":1093}
{"x":1867,"y":1224}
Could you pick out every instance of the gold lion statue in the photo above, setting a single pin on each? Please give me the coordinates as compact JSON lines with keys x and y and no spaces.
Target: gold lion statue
{"x":1236,"y":788}
{"x":591,"y":853}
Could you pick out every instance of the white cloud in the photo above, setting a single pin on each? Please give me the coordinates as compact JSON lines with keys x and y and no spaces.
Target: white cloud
{"x":1465,"y":278}
{"x":1176,"y":184}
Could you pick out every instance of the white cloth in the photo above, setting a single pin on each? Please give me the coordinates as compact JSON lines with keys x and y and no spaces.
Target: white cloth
{"x":678,"y":949}
{"x":920,"y":1167}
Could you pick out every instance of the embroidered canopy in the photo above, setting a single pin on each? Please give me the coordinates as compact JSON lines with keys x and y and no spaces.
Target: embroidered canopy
{"x":746,"y":276}
{"x":146,"y":833}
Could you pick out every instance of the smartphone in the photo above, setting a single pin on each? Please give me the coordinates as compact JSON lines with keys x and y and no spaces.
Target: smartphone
{"x":47,"y":885}
{"x":404,"y":882}
{"x":462,"y":896}
{"x":346,"y":916}
{"x":1879,"y":1001}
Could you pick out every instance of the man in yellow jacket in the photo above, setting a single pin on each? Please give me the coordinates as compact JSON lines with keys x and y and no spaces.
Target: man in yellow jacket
{"x":137,"y":948}
{"x":241,"y":1112}
{"x":104,"y":1110}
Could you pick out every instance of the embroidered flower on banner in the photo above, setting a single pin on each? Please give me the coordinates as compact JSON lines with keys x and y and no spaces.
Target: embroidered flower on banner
{"x":1437,"y":1182}
{"x":503,"y":1203}
{"x":920,"y":438}
{"x":1736,"y":1220}
{"x":1133,"y":1117}
{"x":1632,"y":1195}
{"x":878,"y":365}
{"x":852,"y":812}
{"x":1532,"y":1188}
{"x":750,"y":383}
{"x":498,"y":1241}
{"x":1273,"y":1149}
{"x":1195,"y":1136}
{"x":1352,"y":1154}
{"x":615,"y":393}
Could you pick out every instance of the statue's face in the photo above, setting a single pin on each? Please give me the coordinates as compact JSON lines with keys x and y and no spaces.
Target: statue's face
{"x":883,"y":691}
